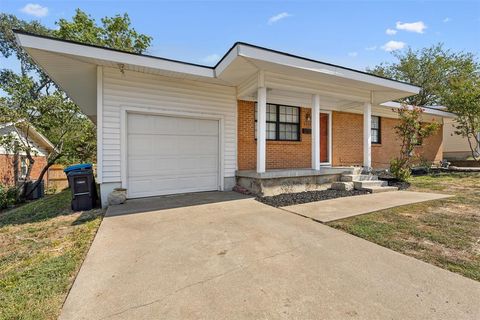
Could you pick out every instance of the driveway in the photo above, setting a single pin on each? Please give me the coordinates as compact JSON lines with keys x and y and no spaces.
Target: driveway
{"x":223,"y":256}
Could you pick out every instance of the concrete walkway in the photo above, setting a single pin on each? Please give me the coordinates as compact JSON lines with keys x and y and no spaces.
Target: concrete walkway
{"x":236,"y":258}
{"x":340,"y":208}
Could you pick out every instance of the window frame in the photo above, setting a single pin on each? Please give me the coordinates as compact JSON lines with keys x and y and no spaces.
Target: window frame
{"x":277,"y":122}
{"x":378,"y":130}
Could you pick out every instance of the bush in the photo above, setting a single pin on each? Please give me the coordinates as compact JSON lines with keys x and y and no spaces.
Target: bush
{"x":400,"y":169}
{"x":8,"y":196}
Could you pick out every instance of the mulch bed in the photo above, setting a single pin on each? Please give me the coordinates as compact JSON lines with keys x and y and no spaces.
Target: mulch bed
{"x":289,"y":199}
{"x":392,"y":181}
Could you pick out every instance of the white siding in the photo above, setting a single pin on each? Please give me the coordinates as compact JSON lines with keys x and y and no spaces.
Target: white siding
{"x":135,"y":89}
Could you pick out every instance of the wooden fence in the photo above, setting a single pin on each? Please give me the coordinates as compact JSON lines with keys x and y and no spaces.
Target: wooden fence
{"x":56,"y":178}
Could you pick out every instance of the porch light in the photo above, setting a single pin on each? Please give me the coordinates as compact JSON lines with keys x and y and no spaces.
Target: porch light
{"x":308,"y":116}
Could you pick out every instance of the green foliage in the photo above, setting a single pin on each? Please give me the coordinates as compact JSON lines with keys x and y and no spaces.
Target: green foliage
{"x":429,"y":68}
{"x":463,"y":99}
{"x":8,"y":196}
{"x":32,"y":98}
{"x":115,"y":32}
{"x":412,"y":132}
{"x":400,"y":169}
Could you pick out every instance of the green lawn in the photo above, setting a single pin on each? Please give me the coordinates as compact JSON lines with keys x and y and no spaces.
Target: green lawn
{"x":445,"y":232}
{"x":42,"y":245}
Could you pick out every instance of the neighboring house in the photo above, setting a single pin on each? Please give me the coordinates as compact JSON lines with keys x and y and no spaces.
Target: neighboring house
{"x":167,"y":126}
{"x":455,"y":147}
{"x":11,"y":174}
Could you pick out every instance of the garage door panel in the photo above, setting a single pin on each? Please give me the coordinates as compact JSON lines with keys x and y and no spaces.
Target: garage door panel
{"x":172,"y":166}
{"x":168,"y":185}
{"x":171,"y":155}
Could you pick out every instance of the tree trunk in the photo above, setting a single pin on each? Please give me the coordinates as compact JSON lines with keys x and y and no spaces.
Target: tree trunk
{"x":42,"y":174}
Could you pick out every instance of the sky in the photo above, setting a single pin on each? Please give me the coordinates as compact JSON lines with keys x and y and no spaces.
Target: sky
{"x":356,"y":34}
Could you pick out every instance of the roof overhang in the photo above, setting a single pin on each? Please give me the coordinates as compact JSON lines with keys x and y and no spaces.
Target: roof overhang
{"x":433,"y":110}
{"x":73,"y":66}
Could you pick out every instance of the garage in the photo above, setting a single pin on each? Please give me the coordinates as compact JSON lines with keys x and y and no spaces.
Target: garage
{"x":171,"y":154}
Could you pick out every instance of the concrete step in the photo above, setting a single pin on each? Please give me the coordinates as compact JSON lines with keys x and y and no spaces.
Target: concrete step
{"x":361,"y":185}
{"x":358,"y":177}
{"x":343,"y":186}
{"x":357,"y":170}
{"x":380,"y":189}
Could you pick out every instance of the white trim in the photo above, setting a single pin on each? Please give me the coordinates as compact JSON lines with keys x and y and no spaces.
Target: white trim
{"x":100,"y":124}
{"x":257,"y":53}
{"x":261,"y":129}
{"x":440,"y":113}
{"x":367,"y":135}
{"x":165,"y":112}
{"x":63,"y":47}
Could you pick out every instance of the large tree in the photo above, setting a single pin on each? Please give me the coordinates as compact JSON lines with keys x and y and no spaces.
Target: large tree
{"x":431,"y":68}
{"x":32,"y":98}
{"x":447,"y":78}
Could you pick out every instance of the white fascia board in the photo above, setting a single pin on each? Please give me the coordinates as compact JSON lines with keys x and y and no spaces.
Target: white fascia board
{"x":63,"y":47}
{"x":307,"y":64}
{"x":435,"y":112}
{"x":226,"y":61}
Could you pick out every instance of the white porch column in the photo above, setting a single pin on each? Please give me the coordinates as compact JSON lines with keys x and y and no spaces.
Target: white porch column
{"x":367,"y":135}
{"x":261,"y":128}
{"x":315,"y":132}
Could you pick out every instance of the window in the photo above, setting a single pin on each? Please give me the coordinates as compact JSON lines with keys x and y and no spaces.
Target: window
{"x":376,"y":133}
{"x":283,"y":122}
{"x":23,"y":167}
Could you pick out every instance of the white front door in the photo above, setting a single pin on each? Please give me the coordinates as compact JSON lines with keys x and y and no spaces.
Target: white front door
{"x":168,"y":155}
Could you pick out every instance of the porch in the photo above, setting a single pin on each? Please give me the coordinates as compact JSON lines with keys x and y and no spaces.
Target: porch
{"x":278,"y":181}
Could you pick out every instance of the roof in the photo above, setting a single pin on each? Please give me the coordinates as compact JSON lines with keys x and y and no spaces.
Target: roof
{"x":33,"y":133}
{"x":433,"y":110}
{"x":73,"y":66}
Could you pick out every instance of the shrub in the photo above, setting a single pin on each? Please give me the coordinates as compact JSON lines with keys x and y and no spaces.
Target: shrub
{"x":8,"y":196}
{"x":400,"y":169}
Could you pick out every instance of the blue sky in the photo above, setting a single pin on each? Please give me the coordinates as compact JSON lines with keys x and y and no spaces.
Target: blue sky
{"x":350,"y":33}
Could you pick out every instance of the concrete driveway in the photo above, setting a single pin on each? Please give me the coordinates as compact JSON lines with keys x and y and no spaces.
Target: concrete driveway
{"x":222,"y":256}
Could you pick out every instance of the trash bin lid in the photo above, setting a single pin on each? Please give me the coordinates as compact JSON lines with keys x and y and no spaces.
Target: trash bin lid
{"x":78,"y":167}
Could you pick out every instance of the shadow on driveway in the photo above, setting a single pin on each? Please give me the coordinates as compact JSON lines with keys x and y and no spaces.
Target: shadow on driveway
{"x":172,"y":201}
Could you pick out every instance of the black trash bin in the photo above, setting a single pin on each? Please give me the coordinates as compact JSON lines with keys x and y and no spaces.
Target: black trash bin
{"x":82,"y":185}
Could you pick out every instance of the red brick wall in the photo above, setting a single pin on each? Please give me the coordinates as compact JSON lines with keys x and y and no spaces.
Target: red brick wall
{"x":6,"y":169}
{"x":279,"y":154}
{"x":348,"y":142}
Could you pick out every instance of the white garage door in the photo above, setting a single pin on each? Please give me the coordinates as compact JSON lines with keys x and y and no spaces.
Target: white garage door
{"x":169,"y":155}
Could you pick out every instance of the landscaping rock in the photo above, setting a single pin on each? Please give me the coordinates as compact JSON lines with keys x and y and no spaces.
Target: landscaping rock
{"x":342,"y":186}
{"x":289,"y":199}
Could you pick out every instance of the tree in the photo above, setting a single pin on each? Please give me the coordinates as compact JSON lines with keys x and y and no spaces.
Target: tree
{"x":429,"y":68}
{"x":463,"y":99}
{"x":32,"y":98}
{"x":412,"y":132}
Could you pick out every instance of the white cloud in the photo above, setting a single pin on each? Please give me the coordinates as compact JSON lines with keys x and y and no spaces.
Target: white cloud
{"x":447,"y":19}
{"x":353,"y":54}
{"x":417,"y":27}
{"x":393,"y":45}
{"x":34,"y":9}
{"x":391,"y":32}
{"x":211,"y":58}
{"x":278,"y":17}
{"x":371,"y":48}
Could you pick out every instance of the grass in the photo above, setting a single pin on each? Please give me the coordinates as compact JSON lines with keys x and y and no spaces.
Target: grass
{"x":445,"y":232}
{"x":42,"y":245}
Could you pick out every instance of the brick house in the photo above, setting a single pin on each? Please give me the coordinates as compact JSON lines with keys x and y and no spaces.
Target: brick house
{"x":13,"y":167}
{"x":167,"y":126}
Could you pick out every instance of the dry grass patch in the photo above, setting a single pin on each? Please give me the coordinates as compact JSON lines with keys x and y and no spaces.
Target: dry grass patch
{"x":443,"y":232}
{"x":42,"y":245}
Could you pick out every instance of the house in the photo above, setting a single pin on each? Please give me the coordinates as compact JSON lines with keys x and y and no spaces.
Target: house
{"x":455,"y":146}
{"x":13,"y":167}
{"x":167,"y":126}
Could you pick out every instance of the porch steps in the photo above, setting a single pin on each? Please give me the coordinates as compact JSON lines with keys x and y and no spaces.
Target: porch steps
{"x":358,"y":181}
